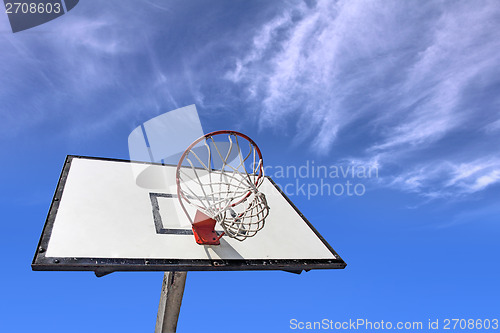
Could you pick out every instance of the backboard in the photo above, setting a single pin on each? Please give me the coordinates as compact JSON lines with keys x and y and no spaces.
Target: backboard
{"x":103,"y":219}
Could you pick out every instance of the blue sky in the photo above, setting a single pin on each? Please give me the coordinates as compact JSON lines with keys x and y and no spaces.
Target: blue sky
{"x":411,"y":88}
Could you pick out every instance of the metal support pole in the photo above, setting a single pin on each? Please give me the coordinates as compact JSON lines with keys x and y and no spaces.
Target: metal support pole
{"x":170,"y":302}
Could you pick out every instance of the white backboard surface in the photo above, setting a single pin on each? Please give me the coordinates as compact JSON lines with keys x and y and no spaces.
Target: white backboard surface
{"x":101,"y":220}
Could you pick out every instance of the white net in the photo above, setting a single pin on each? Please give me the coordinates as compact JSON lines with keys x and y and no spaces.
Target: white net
{"x":220,"y":175}
{"x":242,"y":223}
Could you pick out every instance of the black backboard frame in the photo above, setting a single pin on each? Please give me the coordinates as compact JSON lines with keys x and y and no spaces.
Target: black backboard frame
{"x":103,"y":266}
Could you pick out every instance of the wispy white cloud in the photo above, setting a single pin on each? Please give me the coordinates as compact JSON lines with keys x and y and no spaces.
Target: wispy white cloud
{"x":435,"y":179}
{"x":461,"y":49}
{"x":405,"y":75}
{"x":415,"y":84}
{"x":88,"y":69}
{"x":492,"y":127}
{"x":260,"y":45}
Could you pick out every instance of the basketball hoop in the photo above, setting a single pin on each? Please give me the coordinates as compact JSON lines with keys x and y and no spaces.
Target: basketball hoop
{"x":220,"y":174}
